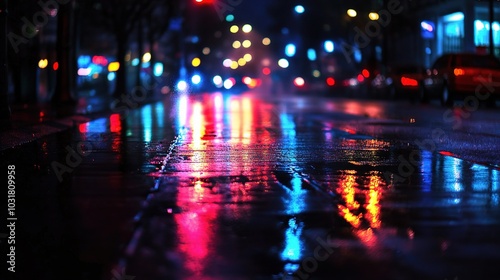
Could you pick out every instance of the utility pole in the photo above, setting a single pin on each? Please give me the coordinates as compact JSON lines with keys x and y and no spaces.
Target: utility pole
{"x":4,"y":100}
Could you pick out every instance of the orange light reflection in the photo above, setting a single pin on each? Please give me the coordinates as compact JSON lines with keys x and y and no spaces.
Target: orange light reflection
{"x":373,"y":206}
{"x":348,"y":191}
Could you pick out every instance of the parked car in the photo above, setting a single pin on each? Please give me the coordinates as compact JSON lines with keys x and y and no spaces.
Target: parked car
{"x":332,"y":73}
{"x":457,"y":75}
{"x":401,"y":81}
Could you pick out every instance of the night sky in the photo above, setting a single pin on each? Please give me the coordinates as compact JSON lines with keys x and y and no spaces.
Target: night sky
{"x":253,"y":12}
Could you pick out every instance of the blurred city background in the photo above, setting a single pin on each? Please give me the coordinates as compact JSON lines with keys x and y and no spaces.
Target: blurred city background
{"x":63,"y":51}
{"x":251,"y":139}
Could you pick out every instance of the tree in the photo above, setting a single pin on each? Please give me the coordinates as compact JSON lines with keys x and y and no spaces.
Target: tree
{"x":122,"y":17}
{"x":66,"y":48}
{"x":158,"y":22}
{"x":23,"y":48}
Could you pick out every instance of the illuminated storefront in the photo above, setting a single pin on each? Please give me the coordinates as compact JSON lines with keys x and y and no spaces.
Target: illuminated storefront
{"x":449,"y":26}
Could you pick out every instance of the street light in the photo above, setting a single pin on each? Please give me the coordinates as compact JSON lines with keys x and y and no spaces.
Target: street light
{"x":329,"y":46}
{"x":234,"y":28}
{"x":246,"y":28}
{"x":373,"y":16}
{"x":352,"y":13}
{"x":299,"y":9}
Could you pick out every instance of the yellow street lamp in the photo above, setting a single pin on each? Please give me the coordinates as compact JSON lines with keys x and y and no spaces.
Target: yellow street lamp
{"x":373,"y":16}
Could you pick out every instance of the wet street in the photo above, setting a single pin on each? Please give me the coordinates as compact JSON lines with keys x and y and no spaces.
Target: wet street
{"x":251,"y":186}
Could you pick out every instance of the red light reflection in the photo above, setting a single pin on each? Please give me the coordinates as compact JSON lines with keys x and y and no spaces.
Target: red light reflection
{"x":217,"y":126}
{"x":115,"y":123}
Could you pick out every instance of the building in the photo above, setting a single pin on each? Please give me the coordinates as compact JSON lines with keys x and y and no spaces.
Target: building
{"x":442,"y":26}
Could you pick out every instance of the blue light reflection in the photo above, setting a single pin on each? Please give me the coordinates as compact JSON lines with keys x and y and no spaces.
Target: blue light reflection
{"x":293,"y":243}
{"x":147,"y":122}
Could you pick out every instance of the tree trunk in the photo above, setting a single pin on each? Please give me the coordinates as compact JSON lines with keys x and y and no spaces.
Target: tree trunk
{"x":64,"y":86}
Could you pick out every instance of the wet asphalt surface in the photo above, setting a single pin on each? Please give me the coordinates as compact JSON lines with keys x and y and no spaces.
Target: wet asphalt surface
{"x":245,"y":186}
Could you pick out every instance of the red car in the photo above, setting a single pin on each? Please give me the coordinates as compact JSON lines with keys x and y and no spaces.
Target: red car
{"x":458,"y":75}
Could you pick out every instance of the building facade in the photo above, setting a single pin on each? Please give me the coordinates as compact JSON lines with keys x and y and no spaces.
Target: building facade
{"x":443,"y":26}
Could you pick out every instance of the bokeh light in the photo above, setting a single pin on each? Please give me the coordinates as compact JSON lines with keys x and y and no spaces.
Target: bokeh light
{"x":247,"y":57}
{"x":299,"y":9}
{"x":227,"y":62}
{"x":246,"y":44}
{"x":283,"y":63}
{"x":373,"y":16}
{"x":246,"y":28}
{"x":196,"y":62}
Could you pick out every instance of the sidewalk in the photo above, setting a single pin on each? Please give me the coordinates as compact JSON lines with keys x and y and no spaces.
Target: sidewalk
{"x":75,"y":210}
{"x":30,"y":122}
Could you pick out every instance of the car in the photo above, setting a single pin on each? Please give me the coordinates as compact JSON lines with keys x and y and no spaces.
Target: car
{"x":455,"y":75}
{"x":403,"y":81}
{"x":328,"y":71}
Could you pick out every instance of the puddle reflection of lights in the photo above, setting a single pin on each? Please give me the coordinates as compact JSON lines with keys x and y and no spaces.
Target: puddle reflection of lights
{"x":198,"y":190}
{"x":247,"y":120}
{"x":495,"y":175}
{"x":196,"y":124}
{"x":293,"y":243}
{"x":235,"y":121}
{"x":182,"y":112}
{"x":295,"y":200}
{"x":367,"y":236}
{"x":373,"y":206}
{"x":353,"y":108}
{"x":115,"y":124}
{"x":195,"y":231}
{"x":97,"y":126}
{"x":160,"y":114}
{"x":219,"y":110}
{"x":347,"y":191}
{"x":451,"y":169}
{"x":351,"y":218}
{"x":426,"y":170}
{"x":287,"y":125}
{"x":147,"y":122}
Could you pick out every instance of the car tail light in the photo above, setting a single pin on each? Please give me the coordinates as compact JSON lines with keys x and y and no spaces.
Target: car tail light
{"x":409,"y":82}
{"x":330,"y":81}
{"x":365,"y":73}
{"x":350,"y":82}
{"x":299,"y":82}
{"x":458,"y":72}
{"x":361,"y":78}
{"x":246,"y":80}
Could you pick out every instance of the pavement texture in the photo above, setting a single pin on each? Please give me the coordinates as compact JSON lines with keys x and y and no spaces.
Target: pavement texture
{"x":242,"y":186}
